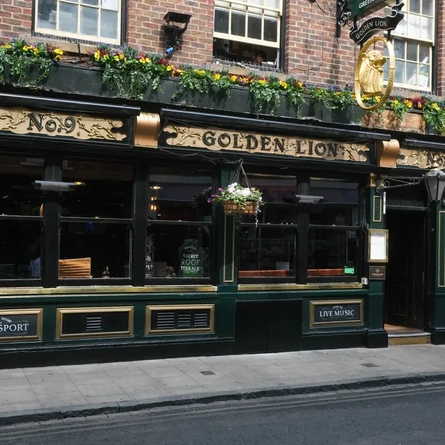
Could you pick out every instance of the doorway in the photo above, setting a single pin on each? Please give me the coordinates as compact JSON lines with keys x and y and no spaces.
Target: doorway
{"x":405,"y":279}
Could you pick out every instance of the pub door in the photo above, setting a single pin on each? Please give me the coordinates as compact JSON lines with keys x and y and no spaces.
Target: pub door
{"x":405,"y":279}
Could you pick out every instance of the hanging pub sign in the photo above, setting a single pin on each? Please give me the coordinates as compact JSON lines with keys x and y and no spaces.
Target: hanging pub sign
{"x":376,"y":24}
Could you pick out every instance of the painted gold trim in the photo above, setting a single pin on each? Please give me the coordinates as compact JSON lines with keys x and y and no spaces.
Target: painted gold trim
{"x":150,"y":308}
{"x":148,"y":126}
{"x":374,"y":206}
{"x":232,"y":280}
{"x":38,"y":312}
{"x":292,"y":286}
{"x":86,"y":290}
{"x":370,"y":232}
{"x":387,"y":153}
{"x":314,"y":303}
{"x":440,"y":283}
{"x":372,"y":179}
{"x":84,"y":310}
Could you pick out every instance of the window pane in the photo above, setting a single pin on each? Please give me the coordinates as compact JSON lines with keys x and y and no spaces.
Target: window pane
{"x":339,"y":205}
{"x":17,"y":193}
{"x":426,"y":31}
{"x":332,"y":252}
{"x":110,"y":4}
{"x":414,"y":6}
{"x":88,"y":21}
{"x":424,"y":52}
{"x":68,"y":17}
{"x":254,"y":26}
{"x":94,"y":249}
{"x":46,"y":14}
{"x":427,"y":7}
{"x":178,"y":251}
{"x":411,"y":73}
{"x":270,"y":30}
{"x":267,"y":252}
{"x":221,"y":21}
{"x":411,"y":51}
{"x":104,"y":190}
{"x":90,"y":2}
{"x":424,"y":76}
{"x":180,"y":195}
{"x":238,"y":24}
{"x":20,"y":249}
{"x":400,"y":72}
{"x":399,"y":48}
{"x":108,"y":24}
{"x":414,"y":26}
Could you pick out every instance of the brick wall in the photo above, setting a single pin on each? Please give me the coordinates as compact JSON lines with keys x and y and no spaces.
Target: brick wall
{"x":312,"y":52}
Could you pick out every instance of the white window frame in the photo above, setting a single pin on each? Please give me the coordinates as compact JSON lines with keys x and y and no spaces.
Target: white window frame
{"x":407,"y":38}
{"x":79,"y":35}
{"x":245,"y":7}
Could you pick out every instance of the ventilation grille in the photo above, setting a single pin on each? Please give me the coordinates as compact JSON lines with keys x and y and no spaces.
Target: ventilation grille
{"x":189,"y":319}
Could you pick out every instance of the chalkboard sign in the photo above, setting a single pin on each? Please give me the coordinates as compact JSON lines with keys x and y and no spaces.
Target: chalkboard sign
{"x":336,"y":312}
{"x":21,"y":324}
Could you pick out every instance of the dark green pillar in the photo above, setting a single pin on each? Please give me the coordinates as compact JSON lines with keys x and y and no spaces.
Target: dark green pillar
{"x":376,"y":336}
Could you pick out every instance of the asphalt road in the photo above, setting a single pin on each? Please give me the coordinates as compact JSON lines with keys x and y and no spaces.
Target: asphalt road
{"x":410,"y":415}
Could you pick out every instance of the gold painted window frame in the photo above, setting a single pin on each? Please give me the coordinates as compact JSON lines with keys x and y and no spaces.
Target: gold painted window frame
{"x":62,"y":311}
{"x":151,"y":308}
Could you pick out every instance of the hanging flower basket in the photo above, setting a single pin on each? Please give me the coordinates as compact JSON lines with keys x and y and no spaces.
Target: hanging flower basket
{"x":239,"y":200}
{"x":241,"y":208}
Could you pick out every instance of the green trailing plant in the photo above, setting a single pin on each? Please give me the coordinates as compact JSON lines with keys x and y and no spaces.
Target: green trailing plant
{"x":434,"y":115}
{"x":294,"y":93}
{"x":236,"y":193}
{"x":23,"y":57}
{"x":400,"y":105}
{"x":341,"y":99}
{"x":265,"y":93}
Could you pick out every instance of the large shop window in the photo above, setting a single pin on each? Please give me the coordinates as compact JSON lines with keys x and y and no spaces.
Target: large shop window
{"x":244,"y":29}
{"x":21,"y":224}
{"x":179,"y":226}
{"x":268,"y":247}
{"x":334,"y":231}
{"x":414,"y":40}
{"x":285,"y":230}
{"x":95,"y":223}
{"x":90,"y":20}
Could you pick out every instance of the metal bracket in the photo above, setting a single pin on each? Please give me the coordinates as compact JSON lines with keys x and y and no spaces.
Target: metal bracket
{"x":392,"y":182}
{"x":342,"y":16}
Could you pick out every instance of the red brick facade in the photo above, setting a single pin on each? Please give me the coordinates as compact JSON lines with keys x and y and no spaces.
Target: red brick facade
{"x":312,"y":52}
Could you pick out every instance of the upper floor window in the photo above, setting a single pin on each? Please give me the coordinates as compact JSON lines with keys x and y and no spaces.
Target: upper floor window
{"x":413,"y":45}
{"x":92,"y":20}
{"x":248,"y":31}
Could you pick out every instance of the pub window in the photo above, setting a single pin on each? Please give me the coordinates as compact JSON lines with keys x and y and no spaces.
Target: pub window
{"x":268,"y":246}
{"x":334,"y":230}
{"x":95,"y":223}
{"x":414,"y":40}
{"x":179,"y":226}
{"x":21,"y":223}
{"x":245,"y":30}
{"x":92,"y":20}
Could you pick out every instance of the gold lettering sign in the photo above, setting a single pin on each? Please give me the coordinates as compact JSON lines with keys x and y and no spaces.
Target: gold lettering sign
{"x":216,"y":140}
{"x":53,"y":124}
{"x":420,"y":158}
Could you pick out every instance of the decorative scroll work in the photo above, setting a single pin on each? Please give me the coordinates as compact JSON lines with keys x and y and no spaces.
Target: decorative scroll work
{"x":216,"y":140}
{"x":420,"y":158}
{"x":53,"y":124}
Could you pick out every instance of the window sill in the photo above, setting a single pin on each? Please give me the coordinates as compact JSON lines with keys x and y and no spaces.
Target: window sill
{"x":293,"y":286}
{"x":76,"y":290}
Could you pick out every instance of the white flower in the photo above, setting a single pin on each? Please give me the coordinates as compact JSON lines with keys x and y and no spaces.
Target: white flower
{"x":231,"y":187}
{"x":245,"y":192}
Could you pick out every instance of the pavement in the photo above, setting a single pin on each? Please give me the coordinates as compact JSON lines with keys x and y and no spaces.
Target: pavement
{"x":60,"y":392}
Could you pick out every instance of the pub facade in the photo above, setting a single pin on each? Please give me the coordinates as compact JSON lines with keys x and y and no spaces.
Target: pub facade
{"x":111,"y":248}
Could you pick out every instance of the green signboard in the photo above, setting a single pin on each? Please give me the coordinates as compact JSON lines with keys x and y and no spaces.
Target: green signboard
{"x":362,"y":8}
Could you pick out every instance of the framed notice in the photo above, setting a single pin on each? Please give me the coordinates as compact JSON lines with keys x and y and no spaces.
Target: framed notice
{"x":378,"y":242}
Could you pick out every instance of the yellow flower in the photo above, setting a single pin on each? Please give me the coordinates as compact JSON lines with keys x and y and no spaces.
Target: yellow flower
{"x":121,"y":56}
{"x":106,"y":57}
{"x":7,"y":46}
{"x":263,"y":82}
{"x":26,"y":48}
{"x":170,"y":68}
{"x":283,"y":84}
{"x":116,"y":58}
{"x":395,"y":102}
{"x":434,"y":106}
{"x":408,"y":103}
{"x":300,"y":84}
{"x":97,"y":55}
{"x":59,"y":52}
{"x":233,"y":78}
{"x":143,"y":60}
{"x":180,"y":72}
{"x":36,"y":50}
{"x":377,"y":98}
{"x":217,"y":76}
{"x":58,"y":57}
